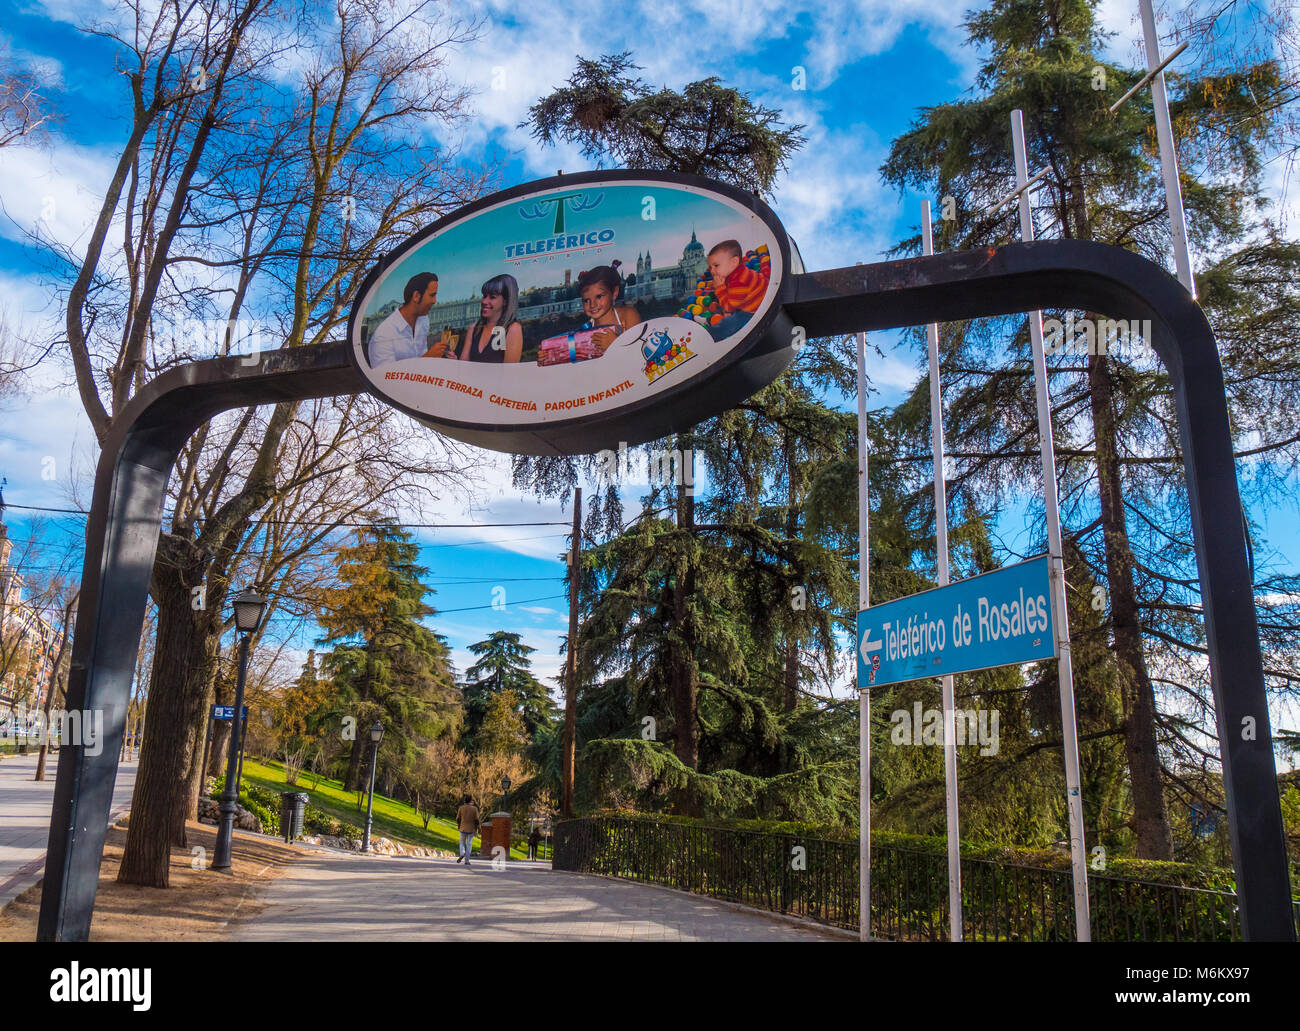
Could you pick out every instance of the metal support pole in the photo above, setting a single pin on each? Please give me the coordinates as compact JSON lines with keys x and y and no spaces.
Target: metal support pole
{"x":1168,"y":60}
{"x":370,"y":800}
{"x":864,"y":695}
{"x":1168,"y":155}
{"x":230,"y":797}
{"x":140,"y":451}
{"x":243,"y":740}
{"x":1065,"y":667}
{"x":571,"y":667}
{"x":955,"y":922}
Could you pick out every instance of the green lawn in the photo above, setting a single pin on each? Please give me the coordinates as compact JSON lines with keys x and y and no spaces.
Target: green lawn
{"x":392,"y":819}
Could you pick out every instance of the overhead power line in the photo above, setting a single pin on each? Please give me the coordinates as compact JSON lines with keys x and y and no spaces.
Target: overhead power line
{"x":327,"y":522}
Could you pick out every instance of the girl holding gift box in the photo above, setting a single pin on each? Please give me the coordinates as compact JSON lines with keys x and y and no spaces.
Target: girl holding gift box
{"x":600,"y":289}
{"x":497,"y":336}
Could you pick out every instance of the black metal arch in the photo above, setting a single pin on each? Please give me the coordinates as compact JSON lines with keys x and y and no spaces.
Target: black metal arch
{"x":131,"y":480}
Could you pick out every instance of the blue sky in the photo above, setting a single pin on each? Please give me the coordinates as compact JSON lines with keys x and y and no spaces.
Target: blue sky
{"x":866,"y":67}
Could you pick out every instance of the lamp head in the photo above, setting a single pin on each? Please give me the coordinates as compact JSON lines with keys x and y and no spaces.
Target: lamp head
{"x":249,"y":608}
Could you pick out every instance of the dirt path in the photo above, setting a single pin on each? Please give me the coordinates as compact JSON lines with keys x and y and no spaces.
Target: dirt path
{"x":198,"y":906}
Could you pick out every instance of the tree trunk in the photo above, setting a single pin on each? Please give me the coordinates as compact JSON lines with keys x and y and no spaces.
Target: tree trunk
{"x":223,"y":693}
{"x":1151,"y":819}
{"x":352,"y":782}
{"x":56,"y":684}
{"x":791,"y":674}
{"x":791,"y":531}
{"x":198,"y":737}
{"x":183,"y":655}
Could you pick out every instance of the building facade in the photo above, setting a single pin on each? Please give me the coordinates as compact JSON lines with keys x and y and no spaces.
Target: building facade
{"x":29,"y":642}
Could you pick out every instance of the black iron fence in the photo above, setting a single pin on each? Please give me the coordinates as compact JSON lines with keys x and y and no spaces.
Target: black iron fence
{"x":818,"y":879}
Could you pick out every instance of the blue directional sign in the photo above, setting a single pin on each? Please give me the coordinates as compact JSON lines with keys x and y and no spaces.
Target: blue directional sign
{"x":1001,"y":618}
{"x":227,"y":712}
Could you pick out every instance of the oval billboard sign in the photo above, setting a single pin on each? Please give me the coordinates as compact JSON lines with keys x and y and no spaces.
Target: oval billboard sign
{"x":573,"y":314}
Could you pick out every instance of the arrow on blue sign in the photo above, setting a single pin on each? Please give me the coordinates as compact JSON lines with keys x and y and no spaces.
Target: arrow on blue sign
{"x":1002,"y":618}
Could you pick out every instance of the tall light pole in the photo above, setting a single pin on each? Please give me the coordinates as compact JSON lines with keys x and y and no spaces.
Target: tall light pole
{"x":249,"y":608}
{"x":571,"y":668}
{"x":376,"y":736}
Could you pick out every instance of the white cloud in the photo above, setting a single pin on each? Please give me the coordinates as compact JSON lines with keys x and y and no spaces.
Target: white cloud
{"x":1279,"y":185}
{"x":529,"y":51}
{"x":42,"y":460}
{"x":53,"y":192}
{"x":48,"y":71}
{"x":1121,"y":18}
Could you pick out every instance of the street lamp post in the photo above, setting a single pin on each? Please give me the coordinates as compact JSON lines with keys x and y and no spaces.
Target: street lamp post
{"x":249,"y":608}
{"x":376,"y":736}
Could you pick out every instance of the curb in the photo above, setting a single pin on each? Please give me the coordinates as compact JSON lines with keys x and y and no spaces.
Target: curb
{"x":32,"y":872}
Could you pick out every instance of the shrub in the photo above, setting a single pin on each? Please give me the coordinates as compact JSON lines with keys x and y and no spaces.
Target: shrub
{"x":270,"y":817}
{"x":317,"y":821}
{"x":262,"y":796}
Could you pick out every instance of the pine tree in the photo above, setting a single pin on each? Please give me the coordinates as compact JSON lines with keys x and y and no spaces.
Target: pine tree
{"x":503,"y":667}
{"x":684,"y":639}
{"x":707,"y":129}
{"x":1120,"y":472}
{"x":384,"y":662}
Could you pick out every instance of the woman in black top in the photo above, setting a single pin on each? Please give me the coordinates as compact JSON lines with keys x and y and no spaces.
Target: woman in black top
{"x":497,"y":336}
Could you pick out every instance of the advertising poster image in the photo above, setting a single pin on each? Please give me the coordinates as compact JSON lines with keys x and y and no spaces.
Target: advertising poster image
{"x":566,"y":303}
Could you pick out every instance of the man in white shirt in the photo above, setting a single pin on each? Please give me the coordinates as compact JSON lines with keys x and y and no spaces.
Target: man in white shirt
{"x":405,"y":333}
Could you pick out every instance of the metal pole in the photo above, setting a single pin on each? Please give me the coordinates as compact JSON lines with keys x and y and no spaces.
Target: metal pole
{"x":864,"y":696}
{"x":243,"y":738}
{"x":1065,"y":667}
{"x":1168,"y":155}
{"x":207,"y":751}
{"x":955,"y":922}
{"x":137,"y":456}
{"x":230,"y":797}
{"x":571,"y":666}
{"x":370,"y":800}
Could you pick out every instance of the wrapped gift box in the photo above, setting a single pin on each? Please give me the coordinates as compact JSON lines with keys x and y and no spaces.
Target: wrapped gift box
{"x":568,"y":347}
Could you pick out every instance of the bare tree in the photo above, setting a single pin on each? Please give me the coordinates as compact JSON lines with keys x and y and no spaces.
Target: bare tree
{"x":1226,"y":36}
{"x":247,"y":210}
{"x":35,"y":580}
{"x":23,"y":111}
{"x":59,"y":673}
{"x":430,"y":772}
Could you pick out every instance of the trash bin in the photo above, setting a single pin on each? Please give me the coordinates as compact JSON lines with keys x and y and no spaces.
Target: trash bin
{"x":495,"y":831}
{"x":292,"y":806}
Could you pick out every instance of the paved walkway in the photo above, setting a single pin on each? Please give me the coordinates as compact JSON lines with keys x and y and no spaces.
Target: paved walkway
{"x":25,"y":817}
{"x":339,"y":897}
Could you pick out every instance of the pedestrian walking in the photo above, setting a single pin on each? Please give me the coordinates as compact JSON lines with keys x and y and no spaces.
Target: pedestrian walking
{"x":533,"y":840}
{"x":467,"y":823}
